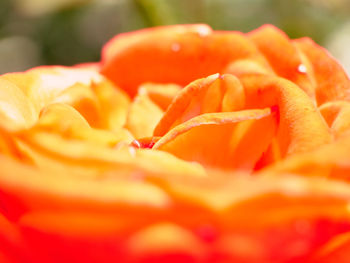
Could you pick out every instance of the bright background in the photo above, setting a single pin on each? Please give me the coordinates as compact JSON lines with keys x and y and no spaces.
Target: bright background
{"x":66,"y":32}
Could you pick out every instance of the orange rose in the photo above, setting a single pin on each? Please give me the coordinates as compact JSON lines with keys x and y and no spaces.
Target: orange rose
{"x":182,"y":145}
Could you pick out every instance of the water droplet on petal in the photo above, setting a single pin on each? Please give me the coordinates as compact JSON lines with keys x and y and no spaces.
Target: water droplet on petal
{"x":175,"y":47}
{"x":203,"y":31}
{"x":145,"y":143}
{"x":135,"y":144}
{"x":302,"y":68}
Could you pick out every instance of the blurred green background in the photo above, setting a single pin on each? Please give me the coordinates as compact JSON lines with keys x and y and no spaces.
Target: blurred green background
{"x":67,"y":32}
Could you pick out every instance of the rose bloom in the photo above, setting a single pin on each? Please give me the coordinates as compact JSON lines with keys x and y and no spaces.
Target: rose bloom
{"x":183,"y":144}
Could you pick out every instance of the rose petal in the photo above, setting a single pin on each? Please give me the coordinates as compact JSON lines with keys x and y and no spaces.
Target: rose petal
{"x":335,"y":251}
{"x":292,"y":211}
{"x":188,"y":51}
{"x":330,"y":160}
{"x":301,"y":126}
{"x":113,"y":105}
{"x":42,"y":84}
{"x":143,"y":116}
{"x":161,"y":94}
{"x":11,"y":242}
{"x":16,"y":111}
{"x":217,"y":140}
{"x":332,"y":81}
{"x":54,"y":119}
{"x":247,"y":66}
{"x":284,"y":58}
{"x":212,"y":94}
{"x":337,"y":115}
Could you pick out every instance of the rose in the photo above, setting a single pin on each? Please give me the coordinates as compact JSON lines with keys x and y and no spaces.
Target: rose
{"x":156,"y":167}
{"x":270,"y":71}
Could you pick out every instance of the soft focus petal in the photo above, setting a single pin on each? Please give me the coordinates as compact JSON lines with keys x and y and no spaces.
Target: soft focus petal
{"x":336,"y":250}
{"x":143,"y":116}
{"x":16,"y":111}
{"x":292,"y":211}
{"x":189,"y":53}
{"x":331,"y":160}
{"x":332,"y":81}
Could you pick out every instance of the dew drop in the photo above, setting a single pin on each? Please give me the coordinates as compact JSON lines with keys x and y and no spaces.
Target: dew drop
{"x":302,"y":68}
{"x":135,"y":144}
{"x":145,"y":143}
{"x":203,"y":31}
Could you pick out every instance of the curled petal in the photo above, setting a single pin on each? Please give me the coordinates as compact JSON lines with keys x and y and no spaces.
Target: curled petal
{"x":301,"y":126}
{"x":332,"y":81}
{"x":188,"y":51}
{"x":231,"y":142}
{"x":283,"y":56}
{"x":212,"y":94}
